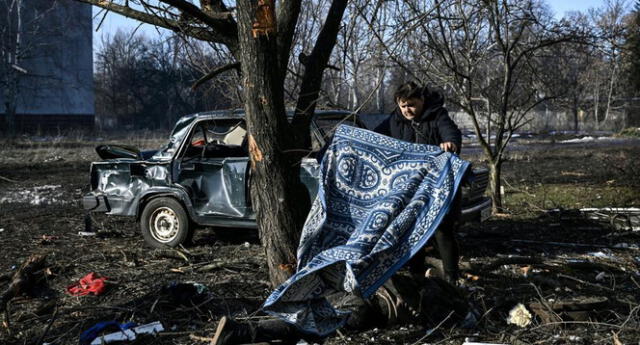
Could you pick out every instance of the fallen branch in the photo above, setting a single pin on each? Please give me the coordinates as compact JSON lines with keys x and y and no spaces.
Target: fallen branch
{"x":565,"y":244}
{"x":199,"y":338}
{"x":46,"y":329}
{"x":22,"y":279}
{"x":221,"y":265}
{"x":516,"y":260}
{"x":43,"y":309}
{"x":170,"y":254}
{"x":544,"y":303}
{"x":431,"y":331}
{"x":585,"y":282}
{"x":8,"y":179}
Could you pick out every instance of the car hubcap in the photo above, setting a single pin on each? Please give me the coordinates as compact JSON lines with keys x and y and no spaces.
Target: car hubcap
{"x":164,"y":224}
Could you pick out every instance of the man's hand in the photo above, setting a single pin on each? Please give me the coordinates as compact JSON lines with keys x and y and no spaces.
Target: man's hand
{"x":449,"y":147}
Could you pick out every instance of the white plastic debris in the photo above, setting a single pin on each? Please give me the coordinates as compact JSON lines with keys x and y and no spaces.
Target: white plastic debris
{"x":603,"y":255}
{"x":519,"y":316}
{"x":246,"y":245}
{"x":87,"y":233}
{"x":600,"y":276}
{"x":129,"y":334}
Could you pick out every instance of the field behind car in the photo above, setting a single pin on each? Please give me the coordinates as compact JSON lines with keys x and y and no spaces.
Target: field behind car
{"x":540,"y":250}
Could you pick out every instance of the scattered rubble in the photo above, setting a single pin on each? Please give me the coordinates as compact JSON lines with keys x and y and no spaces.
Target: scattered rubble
{"x":573,"y":270}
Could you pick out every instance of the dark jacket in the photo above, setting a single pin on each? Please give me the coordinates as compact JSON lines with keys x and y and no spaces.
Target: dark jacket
{"x":433,"y":127}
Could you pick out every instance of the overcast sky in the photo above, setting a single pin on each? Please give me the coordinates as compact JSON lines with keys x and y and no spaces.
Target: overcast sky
{"x":113,"y":22}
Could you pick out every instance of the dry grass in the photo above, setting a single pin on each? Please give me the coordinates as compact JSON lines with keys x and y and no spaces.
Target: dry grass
{"x":525,"y":256}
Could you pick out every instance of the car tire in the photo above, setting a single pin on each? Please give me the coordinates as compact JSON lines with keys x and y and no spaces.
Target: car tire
{"x":164,"y":223}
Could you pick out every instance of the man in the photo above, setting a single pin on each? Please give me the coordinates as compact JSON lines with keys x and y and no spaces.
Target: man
{"x":403,"y":298}
{"x":421,"y":118}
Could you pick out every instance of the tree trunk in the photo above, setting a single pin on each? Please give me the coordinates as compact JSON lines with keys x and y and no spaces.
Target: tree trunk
{"x":495,"y":184}
{"x":10,"y":116}
{"x":380,"y":94}
{"x":10,"y":106}
{"x":575,"y":118}
{"x":276,"y":192}
{"x":596,"y":107}
{"x":610,"y":94}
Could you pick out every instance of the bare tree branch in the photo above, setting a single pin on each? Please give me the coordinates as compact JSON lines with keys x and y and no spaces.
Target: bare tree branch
{"x":214,"y":73}
{"x":202,"y":33}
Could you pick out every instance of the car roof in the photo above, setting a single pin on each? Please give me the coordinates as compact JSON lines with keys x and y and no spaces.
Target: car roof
{"x":239,"y":114}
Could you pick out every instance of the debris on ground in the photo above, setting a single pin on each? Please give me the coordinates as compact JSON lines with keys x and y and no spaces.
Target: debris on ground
{"x":88,"y":336}
{"x":23,"y":279}
{"x":91,"y":284}
{"x":129,"y":334}
{"x":519,"y":316}
{"x":577,"y":275}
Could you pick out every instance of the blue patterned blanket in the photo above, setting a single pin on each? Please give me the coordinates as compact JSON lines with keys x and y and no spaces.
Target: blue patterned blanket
{"x":379,"y":200}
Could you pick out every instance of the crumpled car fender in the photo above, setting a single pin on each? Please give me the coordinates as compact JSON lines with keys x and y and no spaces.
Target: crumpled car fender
{"x":157,"y":192}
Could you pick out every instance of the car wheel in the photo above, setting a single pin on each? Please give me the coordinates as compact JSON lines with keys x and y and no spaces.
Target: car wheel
{"x":164,"y":223}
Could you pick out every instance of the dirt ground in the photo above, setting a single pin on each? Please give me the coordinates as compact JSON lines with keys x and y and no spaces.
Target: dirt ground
{"x":540,"y":251}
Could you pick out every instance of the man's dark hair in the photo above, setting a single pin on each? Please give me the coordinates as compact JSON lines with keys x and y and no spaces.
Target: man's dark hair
{"x":409,"y":90}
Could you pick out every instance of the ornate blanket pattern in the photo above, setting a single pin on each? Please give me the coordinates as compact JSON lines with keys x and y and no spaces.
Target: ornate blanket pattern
{"x":379,"y":201}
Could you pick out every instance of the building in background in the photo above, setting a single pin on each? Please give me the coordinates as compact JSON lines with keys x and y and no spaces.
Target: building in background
{"x":46,"y":66}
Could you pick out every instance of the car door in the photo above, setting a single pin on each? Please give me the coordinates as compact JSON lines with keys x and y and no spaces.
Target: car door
{"x":214,"y":173}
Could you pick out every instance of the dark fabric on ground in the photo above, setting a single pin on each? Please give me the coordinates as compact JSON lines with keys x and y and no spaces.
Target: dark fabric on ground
{"x":401,"y":300}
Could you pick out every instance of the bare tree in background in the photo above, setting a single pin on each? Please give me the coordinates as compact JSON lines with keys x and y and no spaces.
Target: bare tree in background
{"x":143,"y":82}
{"x":633,"y":47}
{"x":481,"y":53}
{"x":609,"y":21}
{"x":361,"y":79}
{"x":260,"y":41}
{"x":568,"y":71}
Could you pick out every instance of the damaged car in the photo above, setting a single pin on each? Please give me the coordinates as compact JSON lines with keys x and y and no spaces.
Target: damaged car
{"x":201,"y":177}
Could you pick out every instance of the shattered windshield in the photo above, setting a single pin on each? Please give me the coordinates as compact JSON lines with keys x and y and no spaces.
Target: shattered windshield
{"x":177,"y":135}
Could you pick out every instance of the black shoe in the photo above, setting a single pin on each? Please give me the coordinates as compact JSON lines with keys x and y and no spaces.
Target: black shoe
{"x":231,"y":332}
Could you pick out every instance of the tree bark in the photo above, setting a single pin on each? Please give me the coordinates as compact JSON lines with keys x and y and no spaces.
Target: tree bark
{"x":313,"y":72}
{"x":277,"y":194}
{"x":10,"y":98}
{"x":610,"y":94}
{"x":495,"y":184}
{"x":10,"y":109}
{"x":575,"y":117}
{"x":596,"y":107}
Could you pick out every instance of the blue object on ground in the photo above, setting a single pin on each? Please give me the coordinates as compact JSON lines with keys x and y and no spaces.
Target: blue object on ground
{"x":89,"y":335}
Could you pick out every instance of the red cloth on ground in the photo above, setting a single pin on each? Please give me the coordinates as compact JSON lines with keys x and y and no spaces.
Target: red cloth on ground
{"x":89,"y":284}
